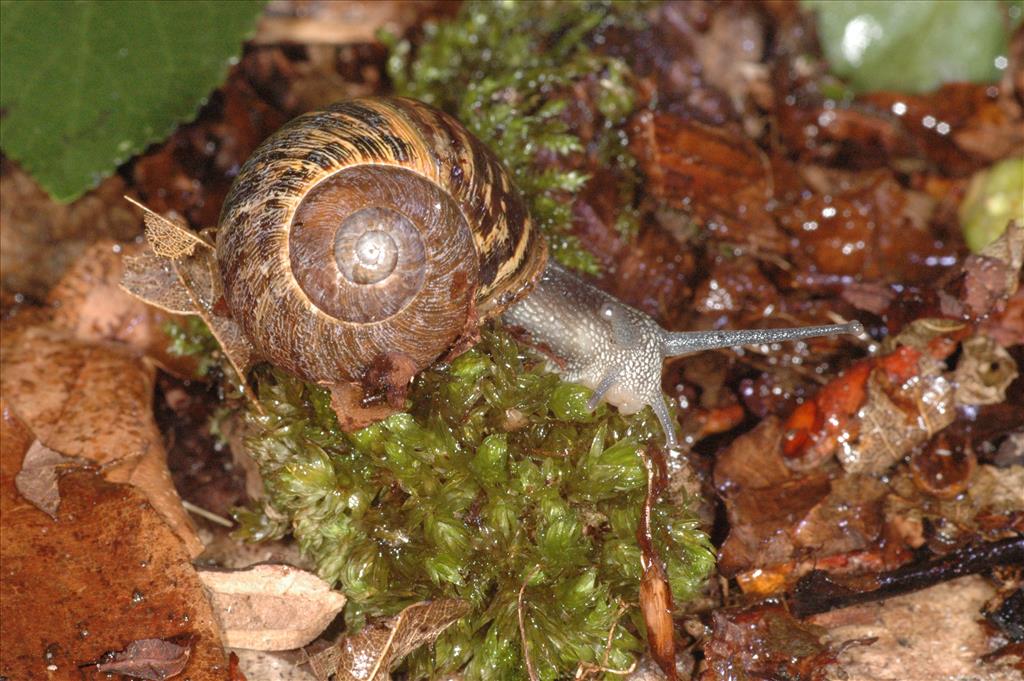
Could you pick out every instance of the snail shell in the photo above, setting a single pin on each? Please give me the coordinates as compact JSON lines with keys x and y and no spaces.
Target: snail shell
{"x":373,"y":227}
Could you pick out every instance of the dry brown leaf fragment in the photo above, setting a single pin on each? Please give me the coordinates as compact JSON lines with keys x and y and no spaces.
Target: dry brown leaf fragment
{"x":40,"y":471}
{"x":270,"y":607}
{"x":154,"y":280}
{"x":152,"y":659}
{"x":176,"y":276}
{"x":168,"y":238}
{"x":984,"y":372}
{"x":92,"y":401}
{"x":375,"y":651}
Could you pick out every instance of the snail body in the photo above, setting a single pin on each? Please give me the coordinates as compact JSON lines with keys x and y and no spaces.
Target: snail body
{"x":381,"y":227}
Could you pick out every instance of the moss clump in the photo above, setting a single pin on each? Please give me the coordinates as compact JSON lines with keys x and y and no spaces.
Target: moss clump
{"x":507,"y":71}
{"x":190,"y":337}
{"x":497,"y":476}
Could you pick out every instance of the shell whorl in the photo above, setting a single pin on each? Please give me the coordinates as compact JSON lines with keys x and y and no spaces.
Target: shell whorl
{"x":375,"y":226}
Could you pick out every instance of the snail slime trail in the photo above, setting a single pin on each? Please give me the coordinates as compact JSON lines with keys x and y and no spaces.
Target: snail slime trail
{"x":380,"y":227}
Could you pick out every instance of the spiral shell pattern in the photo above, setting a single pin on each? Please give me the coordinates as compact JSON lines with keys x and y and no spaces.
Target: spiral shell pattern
{"x":375,"y":226}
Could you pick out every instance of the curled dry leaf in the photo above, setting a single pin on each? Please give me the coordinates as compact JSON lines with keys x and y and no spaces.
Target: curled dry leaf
{"x":984,"y":372}
{"x":152,"y":659}
{"x":270,"y":607}
{"x":371,"y":654}
{"x":37,"y":479}
{"x":178,"y":273}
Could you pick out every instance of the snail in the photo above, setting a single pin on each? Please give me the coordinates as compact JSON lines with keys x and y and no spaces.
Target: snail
{"x":380,"y":227}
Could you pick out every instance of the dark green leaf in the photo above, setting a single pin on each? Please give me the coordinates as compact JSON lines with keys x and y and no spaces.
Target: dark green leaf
{"x":88,"y":84}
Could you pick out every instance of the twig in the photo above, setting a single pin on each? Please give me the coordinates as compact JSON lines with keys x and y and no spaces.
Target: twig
{"x":817,"y":592}
{"x":209,"y":515}
{"x":522,"y":627}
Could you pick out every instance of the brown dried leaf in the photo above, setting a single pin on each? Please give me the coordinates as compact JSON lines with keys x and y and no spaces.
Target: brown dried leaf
{"x":270,"y":607}
{"x":371,"y":654}
{"x":154,"y":280}
{"x":152,"y":659}
{"x":169,"y":238}
{"x":92,"y":401}
{"x":174,"y":276}
{"x":984,"y":372}
{"x":40,"y":238}
{"x":106,"y":572}
{"x":37,"y":479}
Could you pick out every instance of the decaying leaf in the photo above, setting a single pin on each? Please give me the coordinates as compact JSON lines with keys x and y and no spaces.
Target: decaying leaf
{"x":888,"y":431}
{"x":93,"y":401}
{"x":168,"y":238}
{"x":993,"y":276}
{"x":154,"y":280}
{"x":875,"y":413}
{"x":927,"y":635}
{"x":178,"y":273}
{"x":371,"y":654}
{"x":106,"y":572}
{"x":270,"y":607}
{"x":152,"y":659}
{"x":984,"y":372}
{"x":765,"y":642}
{"x":37,"y":479}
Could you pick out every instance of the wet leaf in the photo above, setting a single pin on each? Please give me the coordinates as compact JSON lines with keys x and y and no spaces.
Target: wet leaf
{"x":765,"y":642}
{"x":270,"y":607}
{"x":107,"y":571}
{"x":37,"y":479}
{"x":911,"y":46}
{"x":152,"y":659}
{"x":371,"y":654}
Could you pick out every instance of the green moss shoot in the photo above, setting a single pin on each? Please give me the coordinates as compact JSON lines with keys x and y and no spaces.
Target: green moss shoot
{"x":507,"y":71}
{"x":498,"y":475}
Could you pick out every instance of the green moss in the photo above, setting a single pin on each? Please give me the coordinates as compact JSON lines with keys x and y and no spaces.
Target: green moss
{"x":494,"y":477}
{"x":507,"y":71}
{"x":190,"y":337}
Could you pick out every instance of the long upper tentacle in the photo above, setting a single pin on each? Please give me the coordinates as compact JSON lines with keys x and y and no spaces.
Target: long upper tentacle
{"x":685,"y":342}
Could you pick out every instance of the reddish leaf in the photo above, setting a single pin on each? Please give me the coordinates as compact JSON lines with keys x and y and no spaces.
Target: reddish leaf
{"x":152,"y":659}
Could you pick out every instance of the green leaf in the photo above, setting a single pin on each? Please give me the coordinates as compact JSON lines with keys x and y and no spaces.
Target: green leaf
{"x":994,"y":197}
{"x":88,"y":84}
{"x":912,"y":46}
